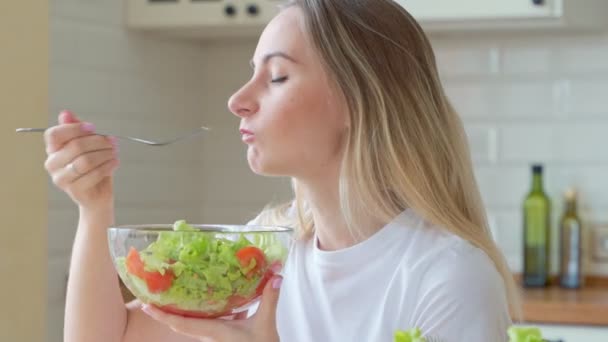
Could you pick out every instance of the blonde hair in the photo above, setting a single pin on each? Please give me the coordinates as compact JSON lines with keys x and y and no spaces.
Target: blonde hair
{"x":406,"y":146}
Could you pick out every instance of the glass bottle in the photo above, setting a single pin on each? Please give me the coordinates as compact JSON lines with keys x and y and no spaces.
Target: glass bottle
{"x":570,"y":275}
{"x":537,"y":227}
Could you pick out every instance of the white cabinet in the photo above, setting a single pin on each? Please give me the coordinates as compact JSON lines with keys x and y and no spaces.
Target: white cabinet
{"x":201,"y":18}
{"x":426,"y":10}
{"x":247,"y":18}
{"x":444,"y":15}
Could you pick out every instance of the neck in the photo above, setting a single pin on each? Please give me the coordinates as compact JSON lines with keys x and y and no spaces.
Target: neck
{"x":571,"y":207}
{"x":537,"y":183}
{"x":323,"y":197}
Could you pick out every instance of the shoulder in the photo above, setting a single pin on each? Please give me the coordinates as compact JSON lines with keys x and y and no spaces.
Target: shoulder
{"x":452,"y":283}
{"x":445,"y":264}
{"x":461,"y":286}
{"x":462,"y":268}
{"x":437,"y":256}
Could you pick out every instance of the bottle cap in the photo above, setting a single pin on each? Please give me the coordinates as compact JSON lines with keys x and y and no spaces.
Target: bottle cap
{"x":537,"y":168}
{"x":570,"y":194}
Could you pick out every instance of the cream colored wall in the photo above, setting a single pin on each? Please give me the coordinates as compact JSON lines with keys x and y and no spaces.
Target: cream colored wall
{"x":23,"y":206}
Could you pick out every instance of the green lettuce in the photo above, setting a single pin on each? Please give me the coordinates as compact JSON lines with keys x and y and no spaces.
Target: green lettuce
{"x":521,"y":334}
{"x":412,"y":335}
{"x":516,"y":334}
{"x":207,"y":271}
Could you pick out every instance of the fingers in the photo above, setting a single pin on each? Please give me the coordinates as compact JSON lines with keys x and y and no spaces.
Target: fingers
{"x":265,"y":317}
{"x":96,"y":166}
{"x":67,"y":117}
{"x":81,"y":151}
{"x":57,"y":136}
{"x":212,"y":330}
{"x":92,"y":178}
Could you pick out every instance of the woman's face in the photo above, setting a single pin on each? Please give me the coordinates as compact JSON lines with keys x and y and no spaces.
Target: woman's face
{"x":292,"y":120}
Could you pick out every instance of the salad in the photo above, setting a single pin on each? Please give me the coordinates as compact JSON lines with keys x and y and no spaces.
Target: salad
{"x":521,"y":334}
{"x":516,"y":334}
{"x":198,"y":274}
{"x":412,"y":335}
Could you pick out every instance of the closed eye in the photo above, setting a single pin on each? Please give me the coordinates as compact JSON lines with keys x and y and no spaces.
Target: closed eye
{"x":279,"y":79}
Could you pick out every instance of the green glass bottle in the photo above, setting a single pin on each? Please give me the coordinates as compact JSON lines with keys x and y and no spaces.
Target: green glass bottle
{"x":537,"y":229}
{"x":571,"y":237}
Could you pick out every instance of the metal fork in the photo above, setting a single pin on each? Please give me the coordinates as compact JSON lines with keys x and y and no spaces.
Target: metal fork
{"x":139,"y":140}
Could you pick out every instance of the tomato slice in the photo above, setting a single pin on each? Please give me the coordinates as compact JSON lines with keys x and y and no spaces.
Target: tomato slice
{"x":155,"y":281}
{"x":246,"y":254}
{"x":134,"y":264}
{"x":158,"y":282}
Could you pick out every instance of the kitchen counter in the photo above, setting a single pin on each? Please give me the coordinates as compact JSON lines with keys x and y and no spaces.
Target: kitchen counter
{"x":554,"y":305}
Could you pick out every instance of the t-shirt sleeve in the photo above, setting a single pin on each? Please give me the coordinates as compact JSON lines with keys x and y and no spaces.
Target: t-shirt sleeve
{"x":462,"y":298}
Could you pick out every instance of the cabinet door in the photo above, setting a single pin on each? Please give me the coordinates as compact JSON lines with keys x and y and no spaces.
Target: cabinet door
{"x":574,"y":333}
{"x":453,"y":10}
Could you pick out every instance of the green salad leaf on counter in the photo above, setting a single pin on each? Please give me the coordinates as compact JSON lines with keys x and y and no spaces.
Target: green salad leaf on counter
{"x":412,"y":335}
{"x":516,"y":334}
{"x":199,"y":271}
{"x":521,"y":334}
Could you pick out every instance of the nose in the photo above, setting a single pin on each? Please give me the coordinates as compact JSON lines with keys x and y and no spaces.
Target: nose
{"x":243,"y":103}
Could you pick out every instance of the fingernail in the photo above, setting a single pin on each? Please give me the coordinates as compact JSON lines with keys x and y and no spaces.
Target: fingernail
{"x":114,"y":141}
{"x":88,"y":127}
{"x":276,"y":282}
{"x":64,"y":116}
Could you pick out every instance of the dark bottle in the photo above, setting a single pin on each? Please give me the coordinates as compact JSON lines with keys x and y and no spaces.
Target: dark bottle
{"x":537,"y":229}
{"x":571,"y":236}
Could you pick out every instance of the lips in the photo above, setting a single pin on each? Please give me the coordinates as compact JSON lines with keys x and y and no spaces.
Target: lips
{"x":247,"y":135}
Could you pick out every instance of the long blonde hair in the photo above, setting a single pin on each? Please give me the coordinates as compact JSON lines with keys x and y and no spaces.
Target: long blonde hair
{"x":406,"y":146}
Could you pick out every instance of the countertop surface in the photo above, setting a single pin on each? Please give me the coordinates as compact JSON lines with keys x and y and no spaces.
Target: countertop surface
{"x":555,"y":305}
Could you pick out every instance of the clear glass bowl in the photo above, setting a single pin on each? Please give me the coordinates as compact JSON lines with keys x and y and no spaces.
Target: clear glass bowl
{"x":213,"y":271}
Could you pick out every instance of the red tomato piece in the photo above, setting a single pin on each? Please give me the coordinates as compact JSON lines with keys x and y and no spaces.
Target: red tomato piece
{"x":246,"y":254}
{"x":155,"y":281}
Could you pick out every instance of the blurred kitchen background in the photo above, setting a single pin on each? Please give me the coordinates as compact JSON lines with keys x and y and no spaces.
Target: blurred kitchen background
{"x":534,"y":90}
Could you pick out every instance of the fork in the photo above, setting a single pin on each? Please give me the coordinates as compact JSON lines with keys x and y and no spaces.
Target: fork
{"x":139,"y":140}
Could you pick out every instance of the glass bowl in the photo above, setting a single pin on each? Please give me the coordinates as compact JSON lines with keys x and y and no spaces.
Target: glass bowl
{"x":203,"y":271}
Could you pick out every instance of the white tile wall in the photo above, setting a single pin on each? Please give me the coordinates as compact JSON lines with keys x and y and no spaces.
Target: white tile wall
{"x":542,"y":97}
{"x":130,"y":84}
{"x":523,"y":98}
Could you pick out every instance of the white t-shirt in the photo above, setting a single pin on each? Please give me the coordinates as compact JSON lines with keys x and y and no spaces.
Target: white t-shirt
{"x":409,"y":274}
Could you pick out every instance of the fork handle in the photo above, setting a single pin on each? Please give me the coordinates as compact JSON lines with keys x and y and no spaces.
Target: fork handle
{"x":40,"y":130}
{"x":30,"y":130}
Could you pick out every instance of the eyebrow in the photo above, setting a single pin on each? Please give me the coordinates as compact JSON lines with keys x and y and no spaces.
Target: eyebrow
{"x":271,"y":55}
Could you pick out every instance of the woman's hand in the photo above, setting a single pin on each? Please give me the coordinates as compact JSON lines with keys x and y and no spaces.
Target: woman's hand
{"x":261,"y":327}
{"x":80,"y":162}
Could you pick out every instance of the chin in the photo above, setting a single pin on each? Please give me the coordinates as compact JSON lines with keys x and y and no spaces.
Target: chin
{"x":265,"y":169}
{"x":268,"y":167}
{"x":266,"y":172}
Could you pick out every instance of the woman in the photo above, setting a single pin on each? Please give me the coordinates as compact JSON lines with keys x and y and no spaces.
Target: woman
{"x":346,"y":100}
